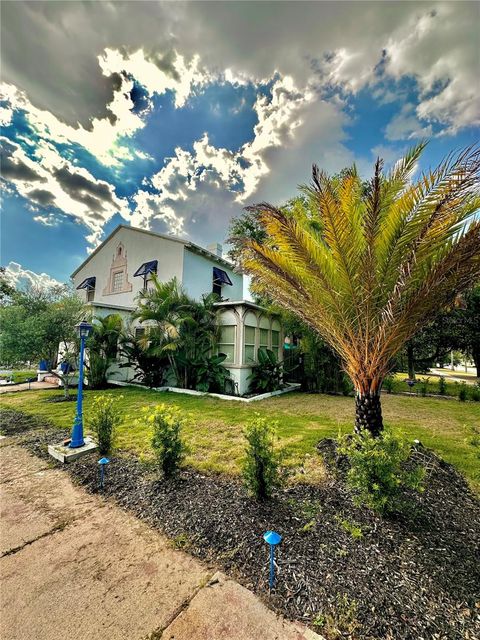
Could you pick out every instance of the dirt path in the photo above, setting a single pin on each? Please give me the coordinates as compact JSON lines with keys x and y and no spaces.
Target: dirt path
{"x":75,"y":566}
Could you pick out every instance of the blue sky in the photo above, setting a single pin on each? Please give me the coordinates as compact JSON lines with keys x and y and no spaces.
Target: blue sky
{"x":148,"y":121}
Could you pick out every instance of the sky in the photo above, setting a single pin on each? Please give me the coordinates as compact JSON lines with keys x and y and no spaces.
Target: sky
{"x":173,"y":116}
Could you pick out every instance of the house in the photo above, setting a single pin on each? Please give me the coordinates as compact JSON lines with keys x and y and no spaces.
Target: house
{"x":113,"y":275}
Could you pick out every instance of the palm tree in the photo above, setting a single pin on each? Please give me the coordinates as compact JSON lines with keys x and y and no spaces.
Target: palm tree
{"x":367,"y":266}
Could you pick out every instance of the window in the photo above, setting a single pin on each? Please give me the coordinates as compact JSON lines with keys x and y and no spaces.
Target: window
{"x":117,"y":284}
{"x":89,"y":285}
{"x":139,"y":332}
{"x":220,"y":278}
{"x":276,"y":343}
{"x":227,"y":342}
{"x":263,"y":339}
{"x":249,"y":349}
{"x":146,"y":270}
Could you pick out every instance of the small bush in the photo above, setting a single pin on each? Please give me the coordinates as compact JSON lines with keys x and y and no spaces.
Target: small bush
{"x":167,"y":440}
{"x":104,"y":419}
{"x":475,"y":393}
{"x":462,"y":392}
{"x":378,"y":470}
{"x":442,"y":386}
{"x":424,"y":386}
{"x":267,"y":375}
{"x":388,"y":384}
{"x":261,"y":467}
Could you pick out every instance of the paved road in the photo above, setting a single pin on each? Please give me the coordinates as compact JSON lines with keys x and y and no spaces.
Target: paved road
{"x":75,"y":566}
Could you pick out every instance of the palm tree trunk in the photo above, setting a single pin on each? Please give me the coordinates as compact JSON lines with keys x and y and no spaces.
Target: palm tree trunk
{"x":368,"y":413}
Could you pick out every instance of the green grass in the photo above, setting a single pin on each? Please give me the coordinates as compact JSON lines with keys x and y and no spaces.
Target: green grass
{"x":215,"y":437}
{"x":20,"y":376}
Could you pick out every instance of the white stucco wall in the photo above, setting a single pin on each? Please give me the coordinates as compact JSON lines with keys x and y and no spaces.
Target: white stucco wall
{"x":198,"y":277}
{"x":139,"y":247}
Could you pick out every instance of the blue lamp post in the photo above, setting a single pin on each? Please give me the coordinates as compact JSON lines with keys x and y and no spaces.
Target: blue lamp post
{"x":84,"y":329}
{"x":272,"y":538}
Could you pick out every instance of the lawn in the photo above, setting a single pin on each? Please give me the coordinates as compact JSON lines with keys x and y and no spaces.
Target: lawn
{"x":18,"y":375}
{"x":214,"y":436}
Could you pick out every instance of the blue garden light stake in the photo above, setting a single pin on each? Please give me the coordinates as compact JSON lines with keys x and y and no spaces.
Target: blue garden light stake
{"x":102,"y":462}
{"x":272,"y":538}
{"x":77,"y":440}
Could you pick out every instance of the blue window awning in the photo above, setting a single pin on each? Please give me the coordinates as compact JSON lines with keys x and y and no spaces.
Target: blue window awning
{"x":146,"y":268}
{"x":88,"y":283}
{"x":220,"y":276}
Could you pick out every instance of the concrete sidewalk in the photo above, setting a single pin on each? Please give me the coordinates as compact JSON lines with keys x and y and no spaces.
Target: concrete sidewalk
{"x":74,"y":566}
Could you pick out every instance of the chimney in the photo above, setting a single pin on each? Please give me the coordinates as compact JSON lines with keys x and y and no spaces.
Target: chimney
{"x":215,"y":248}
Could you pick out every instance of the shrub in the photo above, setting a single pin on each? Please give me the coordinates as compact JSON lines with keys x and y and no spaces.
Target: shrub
{"x":267,"y":374}
{"x":424,"y":386}
{"x":388,"y":384}
{"x":442,"y":386}
{"x":475,"y":394}
{"x":261,"y":467}
{"x":167,"y":440}
{"x":104,"y":418}
{"x":462,"y":392}
{"x":379,"y":471}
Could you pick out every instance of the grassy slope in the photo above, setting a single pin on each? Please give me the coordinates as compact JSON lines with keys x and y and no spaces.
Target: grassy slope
{"x":215,"y":434}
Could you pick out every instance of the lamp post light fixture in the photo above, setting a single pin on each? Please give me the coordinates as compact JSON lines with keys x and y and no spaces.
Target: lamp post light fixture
{"x":272,"y":538}
{"x":102,"y":462}
{"x":84,"y":330}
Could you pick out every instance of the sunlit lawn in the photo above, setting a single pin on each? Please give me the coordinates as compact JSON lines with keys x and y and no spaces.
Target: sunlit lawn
{"x":215,"y":440}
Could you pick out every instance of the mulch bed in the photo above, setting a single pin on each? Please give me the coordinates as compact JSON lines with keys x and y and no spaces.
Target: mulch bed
{"x":415,"y":576}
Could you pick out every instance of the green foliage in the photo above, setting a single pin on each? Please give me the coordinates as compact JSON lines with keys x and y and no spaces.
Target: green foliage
{"x":423,"y":386}
{"x":167,"y":440}
{"x":339,"y":620}
{"x":379,"y":263}
{"x":102,"y":349}
{"x":35,"y":321}
{"x":475,"y":393}
{"x":442,"y":386}
{"x":140,"y":354}
{"x":462,"y":392}
{"x":379,"y":471}
{"x":388,"y":384}
{"x":261,"y":466}
{"x":185,"y":332}
{"x":353,"y":528}
{"x":103,"y":418}
{"x":267,"y":374}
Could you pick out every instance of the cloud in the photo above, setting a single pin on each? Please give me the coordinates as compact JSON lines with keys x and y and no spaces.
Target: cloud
{"x":20,"y":277}
{"x":71,"y":189}
{"x":406,"y":126}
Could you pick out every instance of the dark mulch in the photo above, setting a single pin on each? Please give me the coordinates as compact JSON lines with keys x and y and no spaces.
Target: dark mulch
{"x":415,"y":576}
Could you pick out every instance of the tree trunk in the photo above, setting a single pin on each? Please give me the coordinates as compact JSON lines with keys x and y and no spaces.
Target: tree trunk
{"x":476,"y":359}
{"x":411,"y":362}
{"x":368,"y":413}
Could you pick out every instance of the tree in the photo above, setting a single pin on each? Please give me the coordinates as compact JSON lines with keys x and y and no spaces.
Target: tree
{"x":102,"y":348}
{"x":469,"y":315}
{"x":382,"y":264}
{"x":184,"y":330}
{"x":36,"y":320}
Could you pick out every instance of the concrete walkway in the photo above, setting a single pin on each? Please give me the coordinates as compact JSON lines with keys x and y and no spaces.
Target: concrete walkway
{"x":26,"y":386}
{"x":74,"y":566}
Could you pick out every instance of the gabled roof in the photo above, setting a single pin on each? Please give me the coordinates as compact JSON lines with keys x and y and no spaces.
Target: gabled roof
{"x":188,"y":245}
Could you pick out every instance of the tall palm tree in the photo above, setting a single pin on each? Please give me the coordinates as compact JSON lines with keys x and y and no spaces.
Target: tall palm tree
{"x":368,"y":265}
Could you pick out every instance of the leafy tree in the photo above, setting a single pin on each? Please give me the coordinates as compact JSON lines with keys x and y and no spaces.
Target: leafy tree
{"x":385,"y":261}
{"x":469,"y":320}
{"x":36,"y":320}
{"x":185,"y":331}
{"x":102,"y":348}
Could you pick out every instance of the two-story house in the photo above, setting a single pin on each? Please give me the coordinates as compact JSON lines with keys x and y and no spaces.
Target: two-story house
{"x":113,"y":275}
